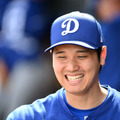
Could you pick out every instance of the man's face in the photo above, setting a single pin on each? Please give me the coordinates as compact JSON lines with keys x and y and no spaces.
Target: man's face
{"x":76,"y":68}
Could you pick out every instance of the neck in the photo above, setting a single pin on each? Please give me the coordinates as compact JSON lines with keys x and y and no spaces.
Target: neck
{"x":88,"y":100}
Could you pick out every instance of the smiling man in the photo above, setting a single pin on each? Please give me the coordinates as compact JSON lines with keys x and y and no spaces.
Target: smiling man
{"x":78,"y":51}
{"x":77,"y":69}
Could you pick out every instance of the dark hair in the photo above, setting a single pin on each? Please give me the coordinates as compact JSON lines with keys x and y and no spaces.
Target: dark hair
{"x":99,"y":50}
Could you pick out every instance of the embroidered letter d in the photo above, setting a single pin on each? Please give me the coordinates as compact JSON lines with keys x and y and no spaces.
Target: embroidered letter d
{"x":67,"y":23}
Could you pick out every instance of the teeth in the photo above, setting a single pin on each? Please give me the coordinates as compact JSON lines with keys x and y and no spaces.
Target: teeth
{"x":74,"y":78}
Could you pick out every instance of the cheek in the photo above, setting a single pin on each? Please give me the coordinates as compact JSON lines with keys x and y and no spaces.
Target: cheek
{"x":58,"y":68}
{"x":91,"y":68}
{"x":59,"y":72}
{"x":56,"y":65}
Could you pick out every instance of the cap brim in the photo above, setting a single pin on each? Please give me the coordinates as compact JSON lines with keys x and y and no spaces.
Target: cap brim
{"x":83,"y":44}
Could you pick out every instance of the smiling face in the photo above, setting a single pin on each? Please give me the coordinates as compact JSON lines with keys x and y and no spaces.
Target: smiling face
{"x":76,"y":68}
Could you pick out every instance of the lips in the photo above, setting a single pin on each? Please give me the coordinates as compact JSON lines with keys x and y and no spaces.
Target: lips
{"x":75,"y":77}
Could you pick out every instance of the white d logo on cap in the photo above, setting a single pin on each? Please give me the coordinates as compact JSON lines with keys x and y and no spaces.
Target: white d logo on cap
{"x":67,"y":23}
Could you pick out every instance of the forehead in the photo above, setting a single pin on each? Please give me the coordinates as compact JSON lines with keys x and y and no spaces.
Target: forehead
{"x":70,"y":47}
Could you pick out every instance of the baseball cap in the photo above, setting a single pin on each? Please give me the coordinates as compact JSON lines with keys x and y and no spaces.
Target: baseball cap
{"x":76,"y":28}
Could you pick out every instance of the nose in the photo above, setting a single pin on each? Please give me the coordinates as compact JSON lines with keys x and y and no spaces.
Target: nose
{"x":72,"y":65}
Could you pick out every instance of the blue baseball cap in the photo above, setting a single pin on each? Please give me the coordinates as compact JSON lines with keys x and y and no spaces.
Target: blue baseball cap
{"x":76,"y":28}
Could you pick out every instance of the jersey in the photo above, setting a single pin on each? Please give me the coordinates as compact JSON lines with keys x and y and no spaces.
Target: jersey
{"x":81,"y":114}
{"x":53,"y":107}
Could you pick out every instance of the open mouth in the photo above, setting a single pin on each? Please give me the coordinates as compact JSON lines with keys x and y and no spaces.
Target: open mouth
{"x":74,"y":78}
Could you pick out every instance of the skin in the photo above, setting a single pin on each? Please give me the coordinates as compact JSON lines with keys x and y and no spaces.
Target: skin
{"x":77,"y":70}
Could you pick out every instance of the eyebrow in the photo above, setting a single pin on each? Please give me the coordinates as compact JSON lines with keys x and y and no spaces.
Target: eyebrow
{"x":82,"y":51}
{"x":78,"y":51}
{"x":60,"y":52}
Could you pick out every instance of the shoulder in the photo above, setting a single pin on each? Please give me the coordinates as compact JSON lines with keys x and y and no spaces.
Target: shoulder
{"x":114,"y":97}
{"x":114,"y":92}
{"x":37,"y":110}
{"x":112,"y":104}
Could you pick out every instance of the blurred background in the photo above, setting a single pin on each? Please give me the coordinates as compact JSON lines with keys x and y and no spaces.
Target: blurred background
{"x":26,"y":72}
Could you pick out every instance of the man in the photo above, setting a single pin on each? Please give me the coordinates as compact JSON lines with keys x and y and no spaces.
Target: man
{"x":78,"y":54}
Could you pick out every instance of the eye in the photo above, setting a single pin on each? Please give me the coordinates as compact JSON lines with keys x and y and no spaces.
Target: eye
{"x":82,"y":56}
{"x":62,"y":57}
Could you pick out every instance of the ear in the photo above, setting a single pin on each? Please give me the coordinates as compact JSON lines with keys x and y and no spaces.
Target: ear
{"x":103,"y":55}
